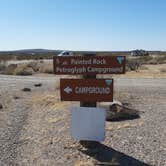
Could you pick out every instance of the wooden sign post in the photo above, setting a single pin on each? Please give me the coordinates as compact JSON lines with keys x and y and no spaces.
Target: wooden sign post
{"x":88,"y":104}
{"x":88,"y":90}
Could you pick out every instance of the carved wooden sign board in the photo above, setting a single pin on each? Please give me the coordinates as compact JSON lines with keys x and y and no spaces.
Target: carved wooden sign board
{"x":74,"y":65}
{"x":86,"y":90}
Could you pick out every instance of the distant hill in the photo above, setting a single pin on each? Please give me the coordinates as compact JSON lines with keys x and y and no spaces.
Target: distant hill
{"x":31,"y":51}
{"x":34,"y":53}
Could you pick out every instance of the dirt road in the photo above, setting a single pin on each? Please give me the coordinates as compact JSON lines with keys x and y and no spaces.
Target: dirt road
{"x":34,"y":126}
{"x":13,"y":81}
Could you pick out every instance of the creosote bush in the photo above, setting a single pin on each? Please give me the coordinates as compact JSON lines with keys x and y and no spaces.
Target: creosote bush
{"x":132,"y":65}
{"x":46,"y":68}
{"x":2,"y":66}
{"x":163,"y":70}
{"x":24,"y":70}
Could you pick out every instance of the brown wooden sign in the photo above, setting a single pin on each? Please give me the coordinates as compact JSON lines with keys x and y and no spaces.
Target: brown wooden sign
{"x":86,"y":90}
{"x":73,"y":65}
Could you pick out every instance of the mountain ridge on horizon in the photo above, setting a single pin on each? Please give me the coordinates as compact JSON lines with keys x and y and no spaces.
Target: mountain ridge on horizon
{"x":42,"y":51}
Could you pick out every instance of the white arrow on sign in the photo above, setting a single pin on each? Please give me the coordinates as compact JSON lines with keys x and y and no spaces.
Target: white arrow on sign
{"x":68,"y":90}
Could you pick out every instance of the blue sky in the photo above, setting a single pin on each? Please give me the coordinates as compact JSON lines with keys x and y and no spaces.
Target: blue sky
{"x":102,"y":25}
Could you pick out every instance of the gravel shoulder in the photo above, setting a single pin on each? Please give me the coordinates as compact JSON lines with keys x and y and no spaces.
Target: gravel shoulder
{"x":35,"y":129}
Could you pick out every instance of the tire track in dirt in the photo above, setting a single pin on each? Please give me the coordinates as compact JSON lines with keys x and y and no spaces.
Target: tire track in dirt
{"x":47,"y":127}
{"x":15,"y":116}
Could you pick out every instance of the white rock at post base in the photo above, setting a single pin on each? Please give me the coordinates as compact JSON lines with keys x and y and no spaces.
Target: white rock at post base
{"x":88,"y":123}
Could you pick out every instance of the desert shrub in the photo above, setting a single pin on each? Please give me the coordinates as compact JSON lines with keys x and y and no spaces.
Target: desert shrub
{"x":161,"y":59}
{"x":24,"y":70}
{"x":41,"y":61}
{"x":142,"y":67}
{"x":46,"y":68}
{"x":5,"y":57}
{"x":57,"y":85}
{"x":136,"y":63}
{"x":163,"y":70}
{"x":10,"y":69}
{"x":2,"y":66}
{"x":145,"y":59}
{"x":132,"y":65}
{"x":153,"y":62}
{"x":36,"y":56}
{"x":34,"y":65}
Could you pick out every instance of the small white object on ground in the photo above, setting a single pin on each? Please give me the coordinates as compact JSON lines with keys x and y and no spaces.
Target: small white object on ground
{"x":88,"y":123}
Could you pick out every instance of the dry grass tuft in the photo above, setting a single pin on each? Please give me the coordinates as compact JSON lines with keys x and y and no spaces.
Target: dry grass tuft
{"x":55,"y":119}
{"x":121,"y":126}
{"x":2,"y":66}
{"x":45,"y":99}
{"x":23,"y":69}
{"x":124,"y":125}
{"x":46,"y":68}
{"x":51,"y":101}
{"x":28,"y":68}
{"x":82,"y":163}
{"x":109,"y":128}
{"x":121,"y":95}
{"x":163,"y":70}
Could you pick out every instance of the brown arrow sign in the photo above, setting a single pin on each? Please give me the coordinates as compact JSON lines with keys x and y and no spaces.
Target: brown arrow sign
{"x":86,"y":90}
{"x":73,"y":65}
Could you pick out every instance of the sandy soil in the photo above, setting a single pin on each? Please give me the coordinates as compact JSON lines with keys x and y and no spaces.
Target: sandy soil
{"x":35,"y":126}
{"x":147,"y":71}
